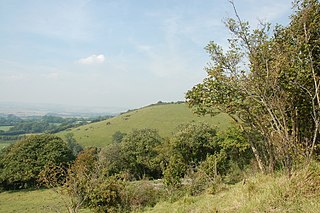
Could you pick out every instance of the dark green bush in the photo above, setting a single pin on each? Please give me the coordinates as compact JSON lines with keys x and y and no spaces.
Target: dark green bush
{"x":21,"y":163}
{"x":140,"y":194}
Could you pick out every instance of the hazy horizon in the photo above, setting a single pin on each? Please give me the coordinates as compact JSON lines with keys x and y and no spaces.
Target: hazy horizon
{"x":125,"y":54}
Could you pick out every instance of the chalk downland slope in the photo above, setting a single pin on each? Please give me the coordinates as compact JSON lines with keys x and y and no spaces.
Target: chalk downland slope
{"x":165,"y":118}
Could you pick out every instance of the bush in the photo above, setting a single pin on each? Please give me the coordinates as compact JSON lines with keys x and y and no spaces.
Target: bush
{"x":21,"y":163}
{"x":140,"y":155}
{"x":104,"y":195}
{"x":140,"y":194}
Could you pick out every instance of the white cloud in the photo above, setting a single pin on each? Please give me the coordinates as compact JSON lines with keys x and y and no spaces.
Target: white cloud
{"x":93,"y":59}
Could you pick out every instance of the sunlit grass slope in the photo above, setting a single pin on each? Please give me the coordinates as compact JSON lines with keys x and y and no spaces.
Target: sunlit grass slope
{"x":165,"y":118}
{"x":262,"y":193}
{"x":32,"y":201}
{"x":258,"y":193}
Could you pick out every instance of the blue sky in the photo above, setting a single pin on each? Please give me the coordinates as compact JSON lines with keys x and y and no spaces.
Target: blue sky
{"x":125,"y":53}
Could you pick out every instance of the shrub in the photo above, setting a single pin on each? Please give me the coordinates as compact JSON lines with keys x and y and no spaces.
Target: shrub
{"x":140,"y":154}
{"x":21,"y":163}
{"x":140,"y":194}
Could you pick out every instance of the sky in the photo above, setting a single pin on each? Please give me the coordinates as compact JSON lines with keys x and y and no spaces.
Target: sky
{"x":114,"y":53}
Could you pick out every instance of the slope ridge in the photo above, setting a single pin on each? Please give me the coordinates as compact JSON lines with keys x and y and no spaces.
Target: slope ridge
{"x":165,"y":118}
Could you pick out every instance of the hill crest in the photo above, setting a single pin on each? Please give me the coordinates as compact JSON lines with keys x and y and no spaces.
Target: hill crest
{"x":163,"y":117}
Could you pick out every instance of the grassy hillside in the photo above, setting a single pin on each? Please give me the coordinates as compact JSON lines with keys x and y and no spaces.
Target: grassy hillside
{"x":5,"y":128}
{"x":32,"y":201}
{"x":261,"y":193}
{"x":165,"y":118}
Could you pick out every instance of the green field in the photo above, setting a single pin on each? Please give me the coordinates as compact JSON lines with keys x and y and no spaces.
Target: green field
{"x":2,"y":145}
{"x":165,"y":118}
{"x":5,"y":128}
{"x":31,"y":201}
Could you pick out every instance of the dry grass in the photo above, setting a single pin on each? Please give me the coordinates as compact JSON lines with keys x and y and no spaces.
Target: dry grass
{"x":260,"y":193}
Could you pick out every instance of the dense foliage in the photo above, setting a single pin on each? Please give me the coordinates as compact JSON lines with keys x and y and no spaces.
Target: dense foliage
{"x":196,"y":147}
{"x":9,"y":120}
{"x":276,"y":96}
{"x":102,"y":179}
{"x":21,"y":163}
{"x":139,"y":151}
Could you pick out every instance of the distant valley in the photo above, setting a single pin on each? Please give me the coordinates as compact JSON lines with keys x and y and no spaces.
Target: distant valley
{"x":41,"y":109}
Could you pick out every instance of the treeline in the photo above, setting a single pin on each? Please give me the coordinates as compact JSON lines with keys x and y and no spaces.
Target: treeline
{"x":9,"y":120}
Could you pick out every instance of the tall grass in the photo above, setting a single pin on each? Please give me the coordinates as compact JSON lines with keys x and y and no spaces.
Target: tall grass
{"x":258,"y":193}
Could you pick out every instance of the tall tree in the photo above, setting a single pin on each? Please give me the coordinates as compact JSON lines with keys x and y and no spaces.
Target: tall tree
{"x":269,"y":83}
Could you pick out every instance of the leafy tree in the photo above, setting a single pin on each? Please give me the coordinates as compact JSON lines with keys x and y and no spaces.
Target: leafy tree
{"x":139,"y":150}
{"x":175,"y":170}
{"x":72,"y":144}
{"x":114,"y":159}
{"x":198,"y":146}
{"x":21,"y":163}
{"x":190,"y":145}
{"x":235,"y":146}
{"x":118,"y":136}
{"x":87,"y":184}
{"x":274,"y":97}
{"x":194,"y":142}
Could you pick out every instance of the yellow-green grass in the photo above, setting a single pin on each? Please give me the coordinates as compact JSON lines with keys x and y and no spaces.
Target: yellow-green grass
{"x":35,"y":201}
{"x":258,"y":193}
{"x":5,"y":128}
{"x":2,"y":145}
{"x":262,"y":193}
{"x":164,"y":118}
{"x":5,"y":143}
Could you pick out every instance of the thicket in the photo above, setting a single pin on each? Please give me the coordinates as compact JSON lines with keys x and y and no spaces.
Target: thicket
{"x":117,"y":178}
{"x":22,"y":162}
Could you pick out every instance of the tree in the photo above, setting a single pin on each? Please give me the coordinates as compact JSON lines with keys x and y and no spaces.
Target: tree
{"x":86,"y":184}
{"x":72,"y":144}
{"x":269,"y":83}
{"x":118,"y":136}
{"x":114,"y":159}
{"x":139,"y":151}
{"x":189,"y":146}
{"x":194,"y":141}
{"x":21,"y":163}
